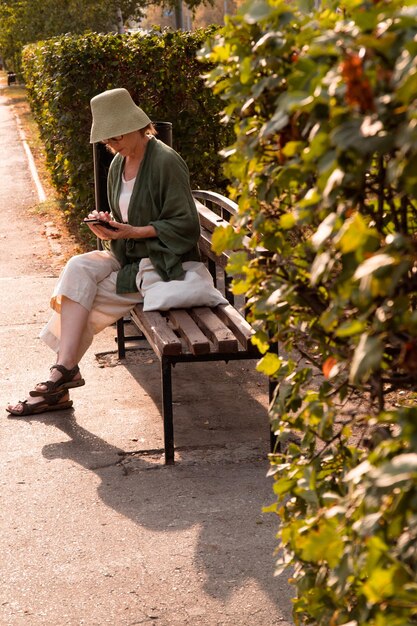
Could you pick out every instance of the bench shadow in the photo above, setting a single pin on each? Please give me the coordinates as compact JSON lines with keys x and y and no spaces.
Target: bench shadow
{"x":213,"y":402}
{"x":224,"y":499}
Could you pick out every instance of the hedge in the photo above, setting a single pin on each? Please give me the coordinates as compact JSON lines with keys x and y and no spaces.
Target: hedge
{"x":325,"y":174}
{"x":164,"y":77}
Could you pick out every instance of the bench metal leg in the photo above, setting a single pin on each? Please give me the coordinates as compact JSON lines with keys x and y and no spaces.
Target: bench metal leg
{"x":275,"y":446}
{"x":273,"y":438}
{"x":212,"y":269}
{"x":228,"y":289}
{"x":167,"y":413}
{"x":121,"y":349}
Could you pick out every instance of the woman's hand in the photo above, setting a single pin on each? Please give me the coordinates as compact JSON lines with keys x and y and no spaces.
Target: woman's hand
{"x":101,"y":231}
{"x":124,"y":231}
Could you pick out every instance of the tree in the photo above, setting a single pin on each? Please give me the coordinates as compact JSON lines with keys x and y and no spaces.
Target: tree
{"x":27,"y":21}
{"x":324,"y":107}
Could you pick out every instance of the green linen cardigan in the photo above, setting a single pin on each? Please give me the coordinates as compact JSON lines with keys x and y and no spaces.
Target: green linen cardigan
{"x":162,"y":198}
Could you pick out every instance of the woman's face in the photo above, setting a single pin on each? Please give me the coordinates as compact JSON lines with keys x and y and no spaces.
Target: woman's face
{"x":130,"y":144}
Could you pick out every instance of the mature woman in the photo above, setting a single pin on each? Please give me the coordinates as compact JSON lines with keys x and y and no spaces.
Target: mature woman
{"x":153,"y":216}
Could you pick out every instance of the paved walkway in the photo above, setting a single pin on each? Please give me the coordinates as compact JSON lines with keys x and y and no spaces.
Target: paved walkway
{"x":92,"y":533}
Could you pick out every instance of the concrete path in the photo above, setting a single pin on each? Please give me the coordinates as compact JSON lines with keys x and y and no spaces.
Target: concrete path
{"x":94,"y":528}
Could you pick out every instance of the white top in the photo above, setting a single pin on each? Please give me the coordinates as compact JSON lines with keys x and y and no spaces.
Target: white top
{"x":126,"y":190}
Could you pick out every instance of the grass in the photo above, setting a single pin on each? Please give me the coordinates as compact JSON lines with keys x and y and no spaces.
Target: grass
{"x":51,"y":209}
{"x":16,"y":96}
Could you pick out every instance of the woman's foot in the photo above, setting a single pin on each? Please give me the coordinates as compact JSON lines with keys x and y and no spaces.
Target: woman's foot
{"x":54,"y":402}
{"x":61,"y":378}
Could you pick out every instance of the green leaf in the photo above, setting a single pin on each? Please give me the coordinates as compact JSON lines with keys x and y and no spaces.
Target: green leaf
{"x":400,"y":469}
{"x":322,"y":544}
{"x":407,"y":92}
{"x":366,"y":359}
{"x":292,"y":148}
{"x":278,"y":121}
{"x":350,"y":328}
{"x":354,"y":234}
{"x":321,"y":263}
{"x":237,"y":262}
{"x":257,"y":11}
{"x":324,"y":231}
{"x":373,"y":264}
{"x":287,"y":221}
{"x":382,"y":584}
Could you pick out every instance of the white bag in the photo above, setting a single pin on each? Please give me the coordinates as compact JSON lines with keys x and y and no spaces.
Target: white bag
{"x":197,"y":288}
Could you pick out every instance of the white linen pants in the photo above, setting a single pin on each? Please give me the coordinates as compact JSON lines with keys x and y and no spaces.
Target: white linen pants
{"x":90,"y":280}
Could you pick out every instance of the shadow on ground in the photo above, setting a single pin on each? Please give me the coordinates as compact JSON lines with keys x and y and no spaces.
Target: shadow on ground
{"x":219,"y":487}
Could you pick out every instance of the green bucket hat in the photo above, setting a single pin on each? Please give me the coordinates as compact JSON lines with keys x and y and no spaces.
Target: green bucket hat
{"x":114,"y":114}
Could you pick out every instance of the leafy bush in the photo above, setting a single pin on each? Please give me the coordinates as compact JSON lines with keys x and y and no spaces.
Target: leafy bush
{"x":27,"y":21}
{"x":164,"y":77}
{"x":324,"y":164}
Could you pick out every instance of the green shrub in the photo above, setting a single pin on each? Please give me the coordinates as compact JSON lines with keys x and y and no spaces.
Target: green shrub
{"x":324,"y":162}
{"x":164,"y":77}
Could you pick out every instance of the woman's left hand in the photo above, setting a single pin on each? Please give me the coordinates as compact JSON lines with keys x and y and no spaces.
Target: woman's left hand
{"x":102,"y":232}
{"x":124,"y":231}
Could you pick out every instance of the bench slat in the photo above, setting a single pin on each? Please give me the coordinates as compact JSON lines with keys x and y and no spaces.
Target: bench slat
{"x":209,"y":219}
{"x":221,"y":336}
{"x":196,"y":341}
{"x":217,"y":200}
{"x":155,"y":327}
{"x":237,"y":324}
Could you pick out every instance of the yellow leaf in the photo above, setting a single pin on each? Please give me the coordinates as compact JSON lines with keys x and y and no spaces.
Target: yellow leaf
{"x":269,"y":364}
{"x":221,"y":238}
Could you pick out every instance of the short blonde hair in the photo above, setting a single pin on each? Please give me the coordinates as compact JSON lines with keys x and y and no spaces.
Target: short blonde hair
{"x":149,"y":130}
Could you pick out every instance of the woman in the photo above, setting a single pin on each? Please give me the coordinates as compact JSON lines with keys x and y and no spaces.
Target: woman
{"x":153,"y":216}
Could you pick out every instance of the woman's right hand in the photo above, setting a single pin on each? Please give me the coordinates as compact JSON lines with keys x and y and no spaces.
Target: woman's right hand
{"x":100,"y":215}
{"x":99,"y":231}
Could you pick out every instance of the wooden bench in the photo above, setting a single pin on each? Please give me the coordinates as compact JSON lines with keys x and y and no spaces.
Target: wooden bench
{"x":196,"y":334}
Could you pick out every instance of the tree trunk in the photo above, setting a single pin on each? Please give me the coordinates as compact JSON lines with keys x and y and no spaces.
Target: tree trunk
{"x":119,"y":19}
{"x":179,"y":17}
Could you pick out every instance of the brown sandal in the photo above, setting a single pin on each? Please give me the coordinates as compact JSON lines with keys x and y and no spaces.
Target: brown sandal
{"x":51,"y":403}
{"x":65,"y":382}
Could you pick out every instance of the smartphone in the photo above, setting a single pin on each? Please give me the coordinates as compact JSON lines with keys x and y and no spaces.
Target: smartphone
{"x":95,"y":220}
